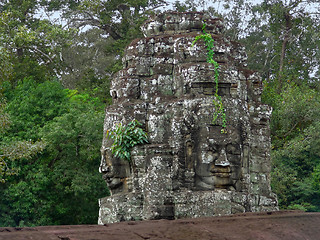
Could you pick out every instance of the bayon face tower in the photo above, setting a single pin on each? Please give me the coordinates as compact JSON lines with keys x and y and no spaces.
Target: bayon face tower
{"x":189,"y":168}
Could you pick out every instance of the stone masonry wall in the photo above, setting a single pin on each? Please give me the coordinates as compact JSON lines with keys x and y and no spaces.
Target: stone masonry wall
{"x":188,"y":168}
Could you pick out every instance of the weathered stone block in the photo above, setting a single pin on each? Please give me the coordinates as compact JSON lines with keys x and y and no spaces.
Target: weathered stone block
{"x":190,"y":167}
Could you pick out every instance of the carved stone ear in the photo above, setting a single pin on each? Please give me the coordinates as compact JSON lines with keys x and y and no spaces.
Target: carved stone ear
{"x":233,"y":149}
{"x":114,"y":95}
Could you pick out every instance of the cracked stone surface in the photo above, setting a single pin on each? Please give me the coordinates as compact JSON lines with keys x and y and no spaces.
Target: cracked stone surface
{"x":189,"y":168}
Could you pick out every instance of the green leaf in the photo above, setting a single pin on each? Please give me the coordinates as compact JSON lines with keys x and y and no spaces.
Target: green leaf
{"x":125,"y":140}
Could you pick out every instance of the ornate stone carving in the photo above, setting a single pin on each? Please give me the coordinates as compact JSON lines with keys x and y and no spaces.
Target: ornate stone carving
{"x":188,"y":168}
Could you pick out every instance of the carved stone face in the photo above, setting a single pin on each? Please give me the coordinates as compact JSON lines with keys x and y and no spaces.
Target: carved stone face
{"x":116,"y":173}
{"x":219,"y":166}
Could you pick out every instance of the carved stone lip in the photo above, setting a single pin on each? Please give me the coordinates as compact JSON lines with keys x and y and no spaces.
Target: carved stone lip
{"x":114,"y":182}
{"x":222,"y":164}
{"x":108,"y":174}
{"x":223,"y":170}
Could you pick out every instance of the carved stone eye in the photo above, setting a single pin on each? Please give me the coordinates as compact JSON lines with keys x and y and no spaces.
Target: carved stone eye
{"x":114,"y":95}
{"x":233,"y":149}
{"x":215,"y":149}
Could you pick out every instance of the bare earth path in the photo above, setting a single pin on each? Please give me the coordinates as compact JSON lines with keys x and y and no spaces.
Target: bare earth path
{"x":284,"y":225}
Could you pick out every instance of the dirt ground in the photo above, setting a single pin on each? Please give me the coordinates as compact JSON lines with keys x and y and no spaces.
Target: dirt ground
{"x":284,"y":225}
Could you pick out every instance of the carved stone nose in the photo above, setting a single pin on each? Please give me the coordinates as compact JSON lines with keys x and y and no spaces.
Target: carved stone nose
{"x":222,"y":159}
{"x":109,"y":171}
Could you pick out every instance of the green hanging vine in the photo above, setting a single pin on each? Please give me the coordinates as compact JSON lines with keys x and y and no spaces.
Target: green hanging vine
{"x":217,"y":101}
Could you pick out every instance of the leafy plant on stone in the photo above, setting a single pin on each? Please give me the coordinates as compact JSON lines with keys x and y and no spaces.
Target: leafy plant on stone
{"x":217,"y":101}
{"x":125,"y":138}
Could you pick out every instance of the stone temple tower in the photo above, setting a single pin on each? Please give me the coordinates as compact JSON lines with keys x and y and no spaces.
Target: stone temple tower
{"x":189,"y":168}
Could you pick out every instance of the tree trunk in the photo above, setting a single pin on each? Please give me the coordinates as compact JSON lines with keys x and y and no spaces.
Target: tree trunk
{"x":285,"y":41}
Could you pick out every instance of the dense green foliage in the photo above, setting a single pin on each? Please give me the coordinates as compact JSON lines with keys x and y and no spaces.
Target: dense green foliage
{"x":33,"y":45}
{"x":283,"y":45}
{"x":61,"y":185}
{"x":125,"y":138}
{"x":296,"y":138}
{"x":89,"y":65}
